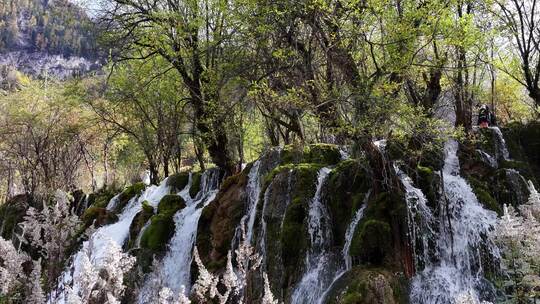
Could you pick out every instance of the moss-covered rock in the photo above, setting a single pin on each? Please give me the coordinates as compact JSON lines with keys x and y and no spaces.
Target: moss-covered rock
{"x":292,"y":154}
{"x":195,"y":184}
{"x":171,"y":203}
{"x":126,"y":195}
{"x":523,"y":141}
{"x":482,"y":192}
{"x":346,"y":190}
{"x":178,"y":181}
{"x":287,"y":202}
{"x":372,"y":241}
{"x":369,"y":286}
{"x":98,"y":216}
{"x":156,"y":236}
{"x":101,"y":198}
{"x":138,"y":223}
{"x":219,"y":219}
{"x":324,"y":154}
{"x":380,"y":236}
{"x":430,"y":184}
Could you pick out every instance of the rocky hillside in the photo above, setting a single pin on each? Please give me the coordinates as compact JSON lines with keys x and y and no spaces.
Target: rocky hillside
{"x":46,"y":38}
{"x":322,"y":232}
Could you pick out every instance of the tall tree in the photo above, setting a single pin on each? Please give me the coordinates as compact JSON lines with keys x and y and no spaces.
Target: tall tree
{"x":198,"y":39}
{"x":520,"y":22}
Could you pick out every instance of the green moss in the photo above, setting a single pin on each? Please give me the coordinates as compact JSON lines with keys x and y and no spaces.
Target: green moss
{"x":270,"y":176}
{"x":195,"y":184}
{"x":325,"y":154}
{"x":383,"y":224}
{"x":101,"y":198}
{"x":126,"y":195}
{"x":322,"y":154}
{"x":292,"y":154}
{"x":372,"y":241}
{"x":99,"y":216}
{"x":352,"y":297}
{"x":158,"y":233}
{"x":293,"y":238}
{"x":369,"y":285}
{"x":171,"y":203}
{"x":162,"y":226}
{"x":487,"y":141}
{"x":178,"y":181}
{"x":147,"y":207}
{"x":514,"y":164}
{"x":348,"y":184}
{"x":483,"y":195}
{"x":429,"y":182}
{"x":138,"y":223}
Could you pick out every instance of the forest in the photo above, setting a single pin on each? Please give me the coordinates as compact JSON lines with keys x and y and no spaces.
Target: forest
{"x":255,"y":151}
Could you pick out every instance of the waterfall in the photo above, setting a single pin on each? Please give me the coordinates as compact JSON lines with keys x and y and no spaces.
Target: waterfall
{"x":253,"y":190}
{"x":96,"y":247}
{"x":502,"y":150}
{"x":174,"y":271}
{"x":420,"y":219}
{"x":347,"y":260}
{"x":463,"y":232}
{"x":320,"y":261}
{"x":350,"y":232}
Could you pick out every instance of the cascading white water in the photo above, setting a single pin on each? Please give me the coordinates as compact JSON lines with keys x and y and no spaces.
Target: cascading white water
{"x":420,"y":219}
{"x":174,"y":271}
{"x":97,"y":246}
{"x":253,"y":190}
{"x":345,"y":252}
{"x":261,"y":244}
{"x":321,"y":263}
{"x":350,"y":232}
{"x":463,"y":230}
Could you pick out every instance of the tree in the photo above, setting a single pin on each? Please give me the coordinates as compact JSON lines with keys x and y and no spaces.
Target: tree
{"x":198,"y":40}
{"x":142,"y":100}
{"x":51,"y":231}
{"x":520,"y":22}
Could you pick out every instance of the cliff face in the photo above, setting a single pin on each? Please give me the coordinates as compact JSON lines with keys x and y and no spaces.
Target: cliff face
{"x":385,"y":262}
{"x":45,"y":39}
{"x":323,"y":233}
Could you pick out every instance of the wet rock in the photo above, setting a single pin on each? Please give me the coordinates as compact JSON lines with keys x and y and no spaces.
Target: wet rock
{"x":346,"y":188}
{"x":369,"y":286}
{"x":162,"y":225}
{"x":138,"y":223}
{"x":218,"y":222}
{"x":178,"y":181}
{"x":98,"y":217}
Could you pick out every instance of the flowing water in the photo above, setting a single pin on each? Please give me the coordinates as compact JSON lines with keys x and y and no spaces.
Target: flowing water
{"x":350,"y":232}
{"x":97,"y":246}
{"x":463,"y":231}
{"x":420,"y":219}
{"x":322,"y":264}
{"x":346,"y":257}
{"x":174,"y":271}
{"x":253,"y":191}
